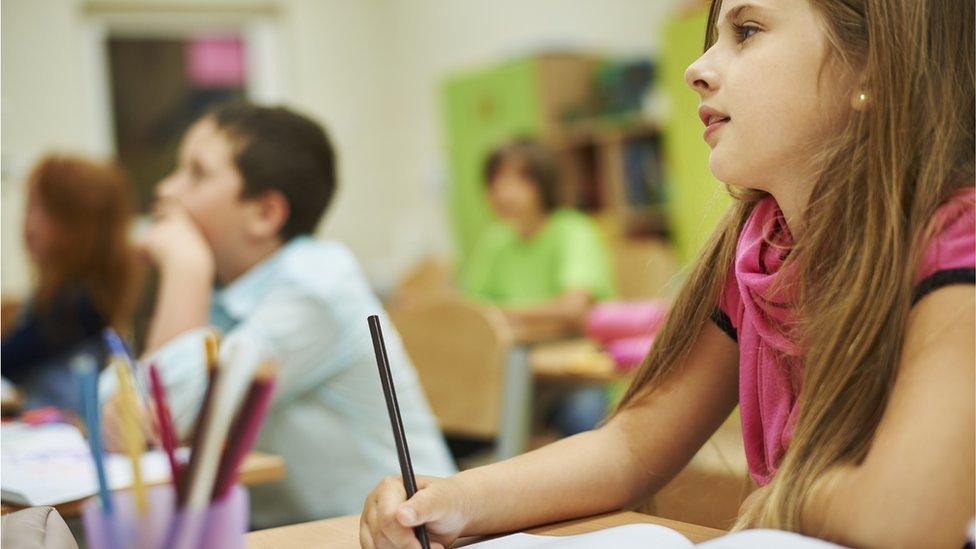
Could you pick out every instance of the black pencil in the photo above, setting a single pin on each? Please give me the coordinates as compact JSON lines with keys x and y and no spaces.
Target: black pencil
{"x":386,"y":378}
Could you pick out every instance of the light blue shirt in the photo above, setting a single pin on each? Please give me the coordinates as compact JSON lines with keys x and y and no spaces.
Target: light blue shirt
{"x":306,"y":306}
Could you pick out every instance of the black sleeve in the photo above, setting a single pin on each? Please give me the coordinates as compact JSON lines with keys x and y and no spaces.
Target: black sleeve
{"x":940,"y":279}
{"x":724,"y":323}
{"x":24,"y":346}
{"x":39,"y":337}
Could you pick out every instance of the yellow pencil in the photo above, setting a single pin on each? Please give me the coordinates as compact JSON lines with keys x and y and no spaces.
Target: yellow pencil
{"x":212,"y":346}
{"x":135,"y":444}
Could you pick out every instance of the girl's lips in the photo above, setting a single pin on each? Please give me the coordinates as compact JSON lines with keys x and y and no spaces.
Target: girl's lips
{"x":714,"y":126}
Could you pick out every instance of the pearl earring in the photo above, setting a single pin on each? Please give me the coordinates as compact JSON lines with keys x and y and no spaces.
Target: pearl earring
{"x":860,"y":101}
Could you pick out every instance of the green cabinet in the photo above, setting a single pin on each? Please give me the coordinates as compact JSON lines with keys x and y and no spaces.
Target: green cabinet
{"x":696,"y":200}
{"x":482,"y":110}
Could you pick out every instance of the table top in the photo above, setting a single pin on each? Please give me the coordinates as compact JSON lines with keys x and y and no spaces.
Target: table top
{"x":258,"y":468}
{"x":542,"y":334}
{"x":575,"y":361}
{"x":343,"y":532}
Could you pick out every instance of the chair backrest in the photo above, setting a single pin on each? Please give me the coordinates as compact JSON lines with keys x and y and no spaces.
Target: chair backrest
{"x":429,"y":278}
{"x":644,"y":268}
{"x":459,"y":349}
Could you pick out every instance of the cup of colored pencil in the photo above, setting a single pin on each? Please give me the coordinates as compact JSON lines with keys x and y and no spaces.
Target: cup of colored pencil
{"x":203,"y":506}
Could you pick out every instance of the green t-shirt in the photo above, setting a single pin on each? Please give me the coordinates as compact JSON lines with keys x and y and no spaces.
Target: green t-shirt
{"x":566,"y":254}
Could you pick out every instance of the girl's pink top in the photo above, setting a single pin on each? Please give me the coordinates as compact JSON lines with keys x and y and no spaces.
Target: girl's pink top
{"x":757,"y":314}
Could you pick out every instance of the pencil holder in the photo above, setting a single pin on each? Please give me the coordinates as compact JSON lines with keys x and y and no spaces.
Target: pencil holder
{"x":222,"y":524}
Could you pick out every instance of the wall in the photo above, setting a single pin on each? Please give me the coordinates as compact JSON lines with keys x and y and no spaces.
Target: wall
{"x":370,"y":69}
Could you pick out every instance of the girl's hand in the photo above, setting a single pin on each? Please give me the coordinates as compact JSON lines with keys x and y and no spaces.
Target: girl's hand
{"x":175,"y":239}
{"x":388,"y":518}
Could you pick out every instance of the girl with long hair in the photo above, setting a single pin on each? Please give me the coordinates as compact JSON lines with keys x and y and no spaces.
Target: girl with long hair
{"x":834,"y":303}
{"x":76,"y":235}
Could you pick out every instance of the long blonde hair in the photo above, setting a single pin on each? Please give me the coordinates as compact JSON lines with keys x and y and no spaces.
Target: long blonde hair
{"x":865,"y":227}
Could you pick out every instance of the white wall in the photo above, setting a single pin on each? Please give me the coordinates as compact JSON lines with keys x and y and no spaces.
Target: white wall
{"x":45,"y":105}
{"x":369,"y":69}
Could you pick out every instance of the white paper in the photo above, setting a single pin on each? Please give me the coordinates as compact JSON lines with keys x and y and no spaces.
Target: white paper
{"x":52,"y":464}
{"x":645,"y":536}
{"x":629,"y":536}
{"x":766,"y":539}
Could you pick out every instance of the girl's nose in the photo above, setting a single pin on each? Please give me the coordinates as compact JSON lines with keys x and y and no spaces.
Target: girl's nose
{"x":701,"y":77}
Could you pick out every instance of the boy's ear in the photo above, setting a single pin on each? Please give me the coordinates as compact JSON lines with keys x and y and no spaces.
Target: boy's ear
{"x":269,"y":214}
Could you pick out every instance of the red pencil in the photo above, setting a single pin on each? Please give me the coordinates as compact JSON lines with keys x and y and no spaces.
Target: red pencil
{"x":167,"y":435}
{"x":245,"y":429}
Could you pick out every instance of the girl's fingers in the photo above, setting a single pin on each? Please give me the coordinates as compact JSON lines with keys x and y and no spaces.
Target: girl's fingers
{"x":388,"y":500}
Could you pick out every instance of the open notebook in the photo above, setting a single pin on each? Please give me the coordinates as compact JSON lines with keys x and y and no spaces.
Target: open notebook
{"x":643,"y":536}
{"x":51,"y":464}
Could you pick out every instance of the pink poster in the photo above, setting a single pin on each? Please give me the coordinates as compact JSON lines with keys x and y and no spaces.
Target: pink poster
{"x":215,"y":62}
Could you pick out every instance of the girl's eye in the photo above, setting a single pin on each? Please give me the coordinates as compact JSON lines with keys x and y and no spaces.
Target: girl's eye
{"x":744,"y":32}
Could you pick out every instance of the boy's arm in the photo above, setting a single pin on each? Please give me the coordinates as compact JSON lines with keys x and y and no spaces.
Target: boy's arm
{"x":186,"y":268}
{"x":303,"y":333}
{"x":175,"y":339}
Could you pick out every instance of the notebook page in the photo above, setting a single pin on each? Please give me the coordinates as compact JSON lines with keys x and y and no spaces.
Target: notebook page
{"x":629,"y":536}
{"x":766,"y":539}
{"x":51,"y":464}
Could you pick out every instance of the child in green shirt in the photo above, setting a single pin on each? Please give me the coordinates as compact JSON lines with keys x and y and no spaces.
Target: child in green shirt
{"x":543,"y":265}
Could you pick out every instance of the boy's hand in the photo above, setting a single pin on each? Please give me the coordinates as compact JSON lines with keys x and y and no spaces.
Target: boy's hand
{"x":175,"y":239}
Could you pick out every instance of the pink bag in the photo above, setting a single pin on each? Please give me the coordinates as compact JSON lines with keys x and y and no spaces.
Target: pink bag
{"x":613,"y":320}
{"x":626,"y":329}
{"x":628,"y":353}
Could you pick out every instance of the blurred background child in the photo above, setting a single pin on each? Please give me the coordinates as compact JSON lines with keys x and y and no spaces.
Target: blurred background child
{"x":75,"y":232}
{"x":542,"y":263}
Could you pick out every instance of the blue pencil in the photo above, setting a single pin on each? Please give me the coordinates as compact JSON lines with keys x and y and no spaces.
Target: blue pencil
{"x":87,"y":374}
{"x":117,"y":348}
{"x":114,"y":343}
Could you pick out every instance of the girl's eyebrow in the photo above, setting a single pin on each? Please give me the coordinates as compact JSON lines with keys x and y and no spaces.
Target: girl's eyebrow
{"x":734,"y":13}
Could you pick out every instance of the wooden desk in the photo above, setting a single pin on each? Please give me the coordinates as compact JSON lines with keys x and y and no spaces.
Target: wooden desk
{"x":578,"y":361}
{"x":573,"y":361}
{"x":258,"y":468}
{"x":542,"y":334}
{"x":343,"y":532}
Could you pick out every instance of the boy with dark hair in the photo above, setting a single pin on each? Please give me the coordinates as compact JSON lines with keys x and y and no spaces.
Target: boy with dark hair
{"x":231,"y":240}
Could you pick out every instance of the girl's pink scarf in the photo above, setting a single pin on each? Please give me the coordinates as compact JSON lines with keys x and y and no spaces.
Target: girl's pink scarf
{"x":770,"y":369}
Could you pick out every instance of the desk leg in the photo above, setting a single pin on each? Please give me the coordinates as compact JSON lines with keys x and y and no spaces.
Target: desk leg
{"x":516,"y":405}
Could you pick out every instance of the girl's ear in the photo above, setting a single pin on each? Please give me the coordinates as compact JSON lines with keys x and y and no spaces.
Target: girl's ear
{"x":268,"y":215}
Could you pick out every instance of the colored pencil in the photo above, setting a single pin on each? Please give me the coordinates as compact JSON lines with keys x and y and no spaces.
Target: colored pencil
{"x":230,"y":388}
{"x":244,"y":432}
{"x":167,"y":433}
{"x":135,"y":443}
{"x":211,"y":352}
{"x":87,"y":375}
